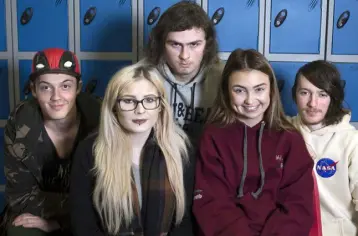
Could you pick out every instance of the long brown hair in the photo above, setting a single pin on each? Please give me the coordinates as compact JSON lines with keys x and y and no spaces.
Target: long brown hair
{"x":325,"y":75}
{"x":223,"y":113}
{"x":184,"y":15}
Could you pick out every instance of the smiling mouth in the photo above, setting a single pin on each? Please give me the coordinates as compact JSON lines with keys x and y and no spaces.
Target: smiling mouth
{"x":250,"y":108}
{"x":139,"y":122}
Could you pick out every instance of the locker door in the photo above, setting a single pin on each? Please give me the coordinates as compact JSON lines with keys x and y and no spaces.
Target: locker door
{"x":106,"y":26}
{"x":287,"y":71}
{"x":4,"y":90}
{"x":2,"y":26}
{"x":345,"y":27}
{"x":295,"y":26}
{"x":100,"y":71}
{"x":42,"y":24}
{"x":349,"y":73}
{"x":237,"y":23}
{"x":24,"y":72}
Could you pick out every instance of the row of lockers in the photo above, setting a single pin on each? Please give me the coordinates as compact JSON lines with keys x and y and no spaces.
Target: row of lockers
{"x":110,"y":25}
{"x":101,"y":71}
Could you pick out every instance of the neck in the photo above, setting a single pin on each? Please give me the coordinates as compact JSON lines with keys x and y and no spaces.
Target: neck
{"x":138,"y":140}
{"x":63,"y":125}
{"x":315,"y":126}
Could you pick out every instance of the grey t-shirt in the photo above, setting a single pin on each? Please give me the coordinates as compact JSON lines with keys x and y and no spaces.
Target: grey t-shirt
{"x":136,"y":173}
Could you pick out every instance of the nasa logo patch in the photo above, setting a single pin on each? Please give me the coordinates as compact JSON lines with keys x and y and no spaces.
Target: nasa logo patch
{"x":326,"y":167}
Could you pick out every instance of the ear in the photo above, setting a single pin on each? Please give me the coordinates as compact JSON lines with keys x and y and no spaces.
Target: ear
{"x":33,"y":89}
{"x":79,"y":86}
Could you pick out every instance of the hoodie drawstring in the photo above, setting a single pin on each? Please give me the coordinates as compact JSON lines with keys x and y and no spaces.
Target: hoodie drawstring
{"x":244,"y":171}
{"x":192,"y":89}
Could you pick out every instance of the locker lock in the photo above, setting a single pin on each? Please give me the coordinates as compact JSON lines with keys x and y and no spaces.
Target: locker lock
{"x":343,"y":19}
{"x":218,"y":15}
{"x":26,"y":16}
{"x":90,"y":15}
{"x":153,"y":16}
{"x":280,"y":18}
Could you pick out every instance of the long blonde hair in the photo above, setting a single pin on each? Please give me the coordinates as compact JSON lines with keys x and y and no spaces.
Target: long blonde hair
{"x":112,"y":152}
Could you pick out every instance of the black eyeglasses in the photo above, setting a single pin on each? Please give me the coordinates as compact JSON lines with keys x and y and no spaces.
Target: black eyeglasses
{"x":130,"y":104}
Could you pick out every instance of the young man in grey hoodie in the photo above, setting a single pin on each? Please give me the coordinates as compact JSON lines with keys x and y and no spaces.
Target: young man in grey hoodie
{"x":183,"y":46}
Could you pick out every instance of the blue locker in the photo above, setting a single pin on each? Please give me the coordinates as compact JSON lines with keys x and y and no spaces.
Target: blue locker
{"x":100,"y":71}
{"x":295,"y":26}
{"x":237,"y":23}
{"x":345,"y":27}
{"x":42,"y":24}
{"x":153,"y":9}
{"x":3,"y":46}
{"x":24,"y":72}
{"x":287,"y":71}
{"x":106,"y":26}
{"x":4,"y":90}
{"x":349,"y":73}
{"x":2,"y":176}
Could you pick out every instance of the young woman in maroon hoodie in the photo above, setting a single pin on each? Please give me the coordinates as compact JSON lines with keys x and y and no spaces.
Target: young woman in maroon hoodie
{"x":254,"y":174}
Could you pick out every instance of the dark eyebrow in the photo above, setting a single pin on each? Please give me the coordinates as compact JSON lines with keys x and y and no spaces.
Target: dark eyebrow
{"x":256,"y":86}
{"x":173,"y":41}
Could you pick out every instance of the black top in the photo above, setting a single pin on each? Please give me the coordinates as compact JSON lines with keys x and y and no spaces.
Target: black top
{"x":85,"y":220}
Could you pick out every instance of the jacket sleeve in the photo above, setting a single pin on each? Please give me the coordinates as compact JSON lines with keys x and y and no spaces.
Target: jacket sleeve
{"x":84,"y":218}
{"x":187,"y":224}
{"x":214,"y":204}
{"x":294,"y":215}
{"x":22,"y":192}
{"x":352,"y":170}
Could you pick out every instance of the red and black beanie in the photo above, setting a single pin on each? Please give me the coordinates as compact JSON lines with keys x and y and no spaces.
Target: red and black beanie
{"x":55,"y":61}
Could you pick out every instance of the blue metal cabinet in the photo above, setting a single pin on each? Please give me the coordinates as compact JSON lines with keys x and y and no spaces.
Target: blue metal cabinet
{"x":237,"y":23}
{"x":42,"y":24}
{"x":106,"y":26}
{"x":349,"y":73}
{"x":100,"y":71}
{"x":3,"y":45}
{"x":4,"y":90}
{"x":345,"y":27}
{"x":24,"y":72}
{"x":286,"y":71}
{"x":2,"y":177}
{"x":295,"y":26}
{"x":153,"y":9}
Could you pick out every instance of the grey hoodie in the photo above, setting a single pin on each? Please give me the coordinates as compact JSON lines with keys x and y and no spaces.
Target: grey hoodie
{"x":191,"y":102}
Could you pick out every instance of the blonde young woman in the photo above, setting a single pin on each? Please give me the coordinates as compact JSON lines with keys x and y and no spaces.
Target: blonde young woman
{"x":128,"y":179}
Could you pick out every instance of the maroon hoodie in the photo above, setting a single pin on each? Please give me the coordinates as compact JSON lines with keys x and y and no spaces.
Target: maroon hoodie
{"x":253,"y":181}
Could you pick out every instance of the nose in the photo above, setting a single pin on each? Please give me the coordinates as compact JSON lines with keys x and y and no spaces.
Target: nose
{"x":248,"y":99}
{"x":313,"y":101}
{"x":184,"y":53}
{"x":55,"y":94}
{"x":140,"y":109}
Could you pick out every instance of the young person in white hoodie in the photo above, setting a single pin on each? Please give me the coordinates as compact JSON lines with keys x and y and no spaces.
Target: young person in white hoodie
{"x":183,"y":46}
{"x":332,"y":142}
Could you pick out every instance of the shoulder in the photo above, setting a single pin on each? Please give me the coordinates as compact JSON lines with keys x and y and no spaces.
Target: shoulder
{"x":84,"y":151}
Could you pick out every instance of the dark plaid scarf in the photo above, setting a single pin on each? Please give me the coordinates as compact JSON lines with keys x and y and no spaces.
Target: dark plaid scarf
{"x":158,"y":200}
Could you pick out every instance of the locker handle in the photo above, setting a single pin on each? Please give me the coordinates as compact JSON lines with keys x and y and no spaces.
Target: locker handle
{"x":280,"y":18}
{"x":90,"y":15}
{"x":26,"y":16}
{"x":27,"y":88}
{"x":343,"y":19}
{"x":280,"y":84}
{"x":153,"y":16}
{"x":218,"y":15}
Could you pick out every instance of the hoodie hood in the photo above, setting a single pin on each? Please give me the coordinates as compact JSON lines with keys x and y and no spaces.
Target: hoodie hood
{"x":343,"y":125}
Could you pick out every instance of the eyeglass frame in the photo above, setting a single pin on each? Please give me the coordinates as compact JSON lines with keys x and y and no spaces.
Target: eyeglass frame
{"x":137,"y":102}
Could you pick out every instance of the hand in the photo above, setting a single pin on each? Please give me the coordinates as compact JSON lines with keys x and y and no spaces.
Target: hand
{"x":28,"y":220}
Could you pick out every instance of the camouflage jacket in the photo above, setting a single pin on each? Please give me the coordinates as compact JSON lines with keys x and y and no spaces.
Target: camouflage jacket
{"x":24,"y":191}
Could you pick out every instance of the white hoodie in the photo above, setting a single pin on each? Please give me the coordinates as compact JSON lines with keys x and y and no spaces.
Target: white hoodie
{"x":191,"y":102}
{"x":334,"y":149}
